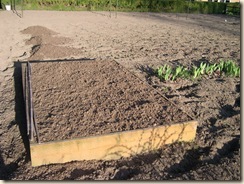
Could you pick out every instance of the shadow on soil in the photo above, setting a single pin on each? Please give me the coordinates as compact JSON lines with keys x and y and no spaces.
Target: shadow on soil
{"x":20,"y":116}
{"x":228,"y":111}
{"x":57,"y":60}
{"x":6,"y":170}
{"x":193,"y":158}
{"x":20,"y":119}
{"x":205,"y":21}
{"x":190,"y":161}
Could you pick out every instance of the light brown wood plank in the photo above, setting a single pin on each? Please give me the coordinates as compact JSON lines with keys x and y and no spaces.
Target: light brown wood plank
{"x":111,"y":146}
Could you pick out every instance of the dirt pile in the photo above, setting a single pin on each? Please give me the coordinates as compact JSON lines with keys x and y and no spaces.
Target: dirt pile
{"x":47,"y":44}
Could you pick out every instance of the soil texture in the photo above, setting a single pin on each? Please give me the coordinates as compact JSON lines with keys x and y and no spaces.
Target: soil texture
{"x":75,"y":99}
{"x":140,"y":42}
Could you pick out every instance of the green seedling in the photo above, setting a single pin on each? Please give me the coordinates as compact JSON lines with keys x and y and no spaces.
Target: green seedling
{"x":160,"y":72}
{"x":209,"y":69}
{"x":167,"y":73}
{"x":231,"y":69}
{"x":195,"y":72}
{"x":236,"y":72}
{"x":177,"y":72}
{"x":164,"y":72}
{"x":202,"y":68}
{"x":215,"y":67}
{"x":221,"y":65}
{"x":185,"y":73}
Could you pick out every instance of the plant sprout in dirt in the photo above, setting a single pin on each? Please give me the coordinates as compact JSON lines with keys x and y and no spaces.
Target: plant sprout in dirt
{"x":229,"y":68}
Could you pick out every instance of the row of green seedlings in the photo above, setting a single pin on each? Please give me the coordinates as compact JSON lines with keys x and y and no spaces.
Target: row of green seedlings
{"x":228,"y":68}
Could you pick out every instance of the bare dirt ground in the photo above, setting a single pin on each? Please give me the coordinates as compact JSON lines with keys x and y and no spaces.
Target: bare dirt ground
{"x":139,"y":42}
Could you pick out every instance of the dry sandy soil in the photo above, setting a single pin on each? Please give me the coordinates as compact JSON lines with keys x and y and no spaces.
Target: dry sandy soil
{"x":139,"y":42}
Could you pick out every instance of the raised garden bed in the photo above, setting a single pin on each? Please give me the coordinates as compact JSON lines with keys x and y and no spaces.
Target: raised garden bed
{"x":90,"y":109}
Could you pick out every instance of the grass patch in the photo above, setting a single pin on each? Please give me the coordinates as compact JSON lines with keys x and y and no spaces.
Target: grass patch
{"x":168,"y":73}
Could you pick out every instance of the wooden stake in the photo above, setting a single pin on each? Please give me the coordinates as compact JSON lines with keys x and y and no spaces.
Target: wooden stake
{"x":27,"y":101}
{"x":30,"y":109}
{"x":32,"y":125}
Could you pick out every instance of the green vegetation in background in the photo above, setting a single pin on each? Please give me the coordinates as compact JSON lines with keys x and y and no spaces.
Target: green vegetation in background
{"x":233,"y":9}
{"x":228,"y":68}
{"x":171,"y":6}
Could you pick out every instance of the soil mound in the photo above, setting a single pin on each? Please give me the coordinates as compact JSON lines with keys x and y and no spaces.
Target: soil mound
{"x":39,"y":31}
{"x":47,"y":44}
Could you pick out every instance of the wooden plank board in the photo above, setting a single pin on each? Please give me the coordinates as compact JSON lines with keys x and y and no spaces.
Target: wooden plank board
{"x":111,"y":146}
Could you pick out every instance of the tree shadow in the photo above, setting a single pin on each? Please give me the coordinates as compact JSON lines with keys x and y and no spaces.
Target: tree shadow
{"x":150,"y":139}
